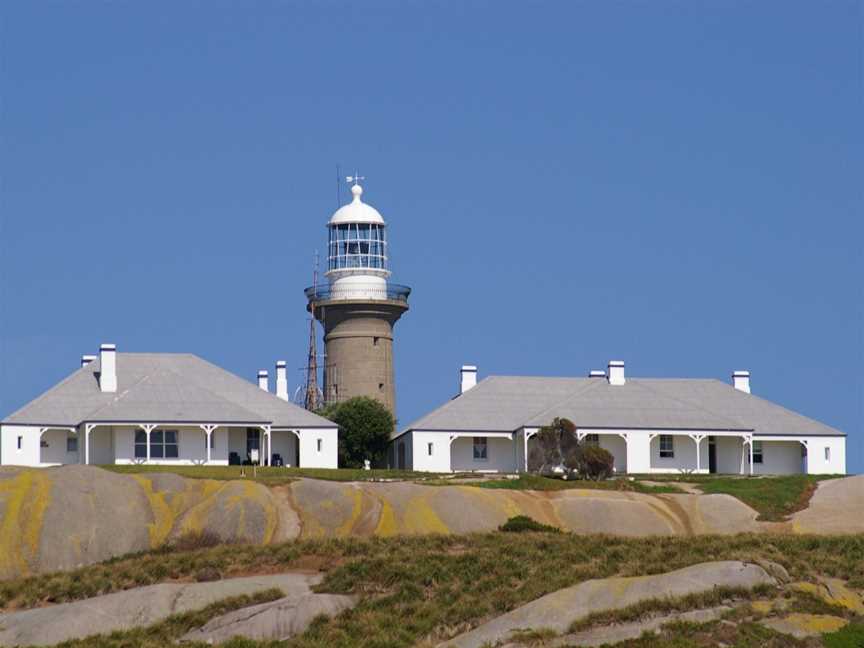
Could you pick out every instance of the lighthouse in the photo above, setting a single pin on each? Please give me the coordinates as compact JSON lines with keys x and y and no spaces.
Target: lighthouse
{"x":358,"y":306}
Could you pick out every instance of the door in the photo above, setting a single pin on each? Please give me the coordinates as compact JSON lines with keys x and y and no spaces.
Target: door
{"x":712,"y":454}
{"x":401,"y":453}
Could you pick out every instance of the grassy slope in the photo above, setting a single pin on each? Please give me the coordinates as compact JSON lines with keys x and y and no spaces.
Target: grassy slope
{"x":273,"y":476}
{"x":419,"y":587}
{"x":537,"y":482}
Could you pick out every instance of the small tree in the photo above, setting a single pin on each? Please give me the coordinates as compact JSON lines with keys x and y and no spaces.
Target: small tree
{"x":364,"y":430}
{"x":557,"y":449}
{"x":554,"y":447}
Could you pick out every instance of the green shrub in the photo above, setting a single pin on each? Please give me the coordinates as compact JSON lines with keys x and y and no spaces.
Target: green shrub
{"x":852,"y":636}
{"x":594,"y":462}
{"x":522,"y":523}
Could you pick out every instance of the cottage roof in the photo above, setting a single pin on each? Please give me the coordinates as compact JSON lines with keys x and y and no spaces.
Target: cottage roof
{"x":164,"y":388}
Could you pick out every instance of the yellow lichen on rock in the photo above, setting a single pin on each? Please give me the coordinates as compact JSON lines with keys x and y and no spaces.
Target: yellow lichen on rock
{"x":420,"y":518}
{"x":815,"y":623}
{"x":25,"y":498}
{"x":762,"y":606}
{"x":833,"y":591}
{"x":387,"y":522}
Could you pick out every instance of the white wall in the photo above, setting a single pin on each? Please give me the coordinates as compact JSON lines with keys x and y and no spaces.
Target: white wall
{"x":284,"y":443}
{"x":778,"y":458}
{"x":816,"y":463}
{"x":439,"y":460}
{"x":55,"y":450}
{"x":328,"y":456}
{"x":29,"y":453}
{"x":729,"y":455}
{"x":616,"y":445}
{"x":500,"y":455}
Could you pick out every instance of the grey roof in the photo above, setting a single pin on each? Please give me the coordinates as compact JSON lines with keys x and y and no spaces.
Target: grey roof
{"x":507,"y":403}
{"x":166,"y":388}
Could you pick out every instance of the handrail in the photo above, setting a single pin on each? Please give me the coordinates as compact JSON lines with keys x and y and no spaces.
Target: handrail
{"x":388,"y":292}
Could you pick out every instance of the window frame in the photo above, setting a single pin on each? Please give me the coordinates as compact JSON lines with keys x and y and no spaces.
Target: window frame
{"x":481,"y":443}
{"x":429,"y":447}
{"x":71,"y":439}
{"x":758,"y":452}
{"x":667,"y":453}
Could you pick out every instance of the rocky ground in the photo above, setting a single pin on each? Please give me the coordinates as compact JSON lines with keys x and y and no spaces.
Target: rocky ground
{"x":60,"y":518}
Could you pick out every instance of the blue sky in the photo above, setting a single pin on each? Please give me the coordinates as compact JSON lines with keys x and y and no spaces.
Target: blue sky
{"x":675,"y":184}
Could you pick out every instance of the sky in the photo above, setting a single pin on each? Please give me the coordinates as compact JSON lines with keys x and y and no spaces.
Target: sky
{"x":673,"y":184}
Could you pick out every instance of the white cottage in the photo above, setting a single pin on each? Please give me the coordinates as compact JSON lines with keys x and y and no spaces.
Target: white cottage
{"x":650,"y":425}
{"x":165,"y":408}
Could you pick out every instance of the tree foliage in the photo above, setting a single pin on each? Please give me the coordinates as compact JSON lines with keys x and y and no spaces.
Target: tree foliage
{"x":556,"y":448}
{"x":364,"y":431}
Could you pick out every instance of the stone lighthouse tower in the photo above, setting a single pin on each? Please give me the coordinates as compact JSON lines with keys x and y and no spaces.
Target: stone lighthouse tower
{"x":358,"y":306}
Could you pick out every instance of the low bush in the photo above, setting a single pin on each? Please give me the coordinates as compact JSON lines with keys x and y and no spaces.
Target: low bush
{"x":522,"y":523}
{"x":594,"y":462}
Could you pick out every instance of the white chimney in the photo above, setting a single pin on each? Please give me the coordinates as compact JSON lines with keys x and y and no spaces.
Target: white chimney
{"x":468,"y":378}
{"x":741,"y":381}
{"x":87,"y":359}
{"x":264,"y":380}
{"x":108,"y":367}
{"x":616,"y":372}
{"x":281,"y":380}
{"x":596,"y":373}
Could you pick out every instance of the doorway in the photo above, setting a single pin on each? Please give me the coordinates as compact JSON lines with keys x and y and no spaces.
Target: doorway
{"x":400,"y":451}
{"x":712,"y":454}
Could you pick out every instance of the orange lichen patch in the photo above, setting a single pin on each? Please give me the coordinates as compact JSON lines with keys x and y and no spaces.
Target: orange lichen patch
{"x":494,"y":499}
{"x":25,"y":498}
{"x":356,"y":496}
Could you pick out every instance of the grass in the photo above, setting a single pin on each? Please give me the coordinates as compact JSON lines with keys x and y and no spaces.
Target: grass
{"x":423,"y":589}
{"x":716,"y":633}
{"x":274,"y":476}
{"x":540,"y":483}
{"x":852,"y":636}
{"x":775,"y":498}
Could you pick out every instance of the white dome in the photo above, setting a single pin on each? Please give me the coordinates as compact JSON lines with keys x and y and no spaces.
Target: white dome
{"x":356,"y":211}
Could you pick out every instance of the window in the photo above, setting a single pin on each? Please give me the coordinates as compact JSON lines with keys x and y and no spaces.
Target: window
{"x":667,"y":446}
{"x":827,"y":454}
{"x":253,"y":440}
{"x":20,"y":441}
{"x":480,"y":449}
{"x":163,"y":444}
{"x":429,"y":449}
{"x":320,"y":445}
{"x":592,"y":439}
{"x":140,"y":444}
{"x":757,"y":452}
{"x":71,"y":443}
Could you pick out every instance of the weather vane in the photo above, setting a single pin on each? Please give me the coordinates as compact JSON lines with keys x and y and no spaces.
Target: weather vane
{"x":355,"y":178}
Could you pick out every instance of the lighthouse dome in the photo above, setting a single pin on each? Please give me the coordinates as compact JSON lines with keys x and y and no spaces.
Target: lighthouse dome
{"x":356,"y":211}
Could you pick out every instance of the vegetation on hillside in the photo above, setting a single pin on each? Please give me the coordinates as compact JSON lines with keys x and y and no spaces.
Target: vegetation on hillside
{"x":365,"y":425}
{"x":422,"y":587}
{"x":556,"y":447}
{"x":541,"y":483}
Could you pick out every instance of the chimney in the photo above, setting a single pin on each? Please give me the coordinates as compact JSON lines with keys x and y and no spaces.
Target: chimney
{"x":741,"y":381}
{"x":468,"y":378}
{"x":616,"y":372}
{"x":281,"y":380}
{"x":87,"y":359}
{"x":108,"y":367}
{"x":596,"y":373}
{"x":263,"y":380}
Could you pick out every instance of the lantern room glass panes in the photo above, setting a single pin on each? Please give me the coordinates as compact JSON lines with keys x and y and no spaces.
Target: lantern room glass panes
{"x":357,"y":245}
